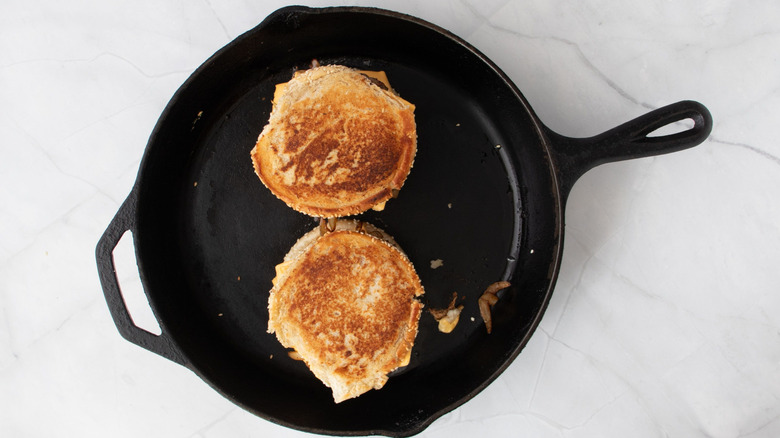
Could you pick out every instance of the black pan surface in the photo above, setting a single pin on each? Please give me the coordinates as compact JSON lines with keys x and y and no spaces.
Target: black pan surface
{"x":484,"y":197}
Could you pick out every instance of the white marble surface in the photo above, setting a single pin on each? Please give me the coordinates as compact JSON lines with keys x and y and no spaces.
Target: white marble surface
{"x":666,"y":318}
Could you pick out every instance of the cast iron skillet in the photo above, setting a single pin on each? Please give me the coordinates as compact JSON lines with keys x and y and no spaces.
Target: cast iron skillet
{"x":486,"y":195}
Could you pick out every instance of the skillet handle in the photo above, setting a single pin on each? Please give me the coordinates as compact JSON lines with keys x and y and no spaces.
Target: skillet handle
{"x":575,"y":156}
{"x":124,"y":221}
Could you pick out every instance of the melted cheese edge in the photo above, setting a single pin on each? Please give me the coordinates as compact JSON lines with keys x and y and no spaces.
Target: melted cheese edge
{"x":281,"y":270}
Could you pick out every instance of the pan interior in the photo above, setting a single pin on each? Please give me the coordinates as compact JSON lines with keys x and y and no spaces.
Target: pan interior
{"x":478,"y":198}
{"x":457,"y":206}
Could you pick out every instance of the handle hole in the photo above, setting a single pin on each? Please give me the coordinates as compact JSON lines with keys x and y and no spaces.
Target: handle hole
{"x":130,"y":286}
{"x":672,"y":128}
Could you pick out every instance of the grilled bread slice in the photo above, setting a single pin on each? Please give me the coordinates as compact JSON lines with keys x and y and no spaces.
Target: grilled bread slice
{"x":337,"y":142}
{"x":345,"y":301}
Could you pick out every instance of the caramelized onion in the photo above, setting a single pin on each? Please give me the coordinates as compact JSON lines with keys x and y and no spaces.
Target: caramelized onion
{"x":488,"y":299}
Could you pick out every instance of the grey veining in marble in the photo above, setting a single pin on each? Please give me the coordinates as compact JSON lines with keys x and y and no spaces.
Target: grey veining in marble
{"x":666,"y":317}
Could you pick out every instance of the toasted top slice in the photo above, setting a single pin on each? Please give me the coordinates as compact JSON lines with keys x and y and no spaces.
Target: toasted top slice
{"x":337,"y":142}
{"x":346,"y":303}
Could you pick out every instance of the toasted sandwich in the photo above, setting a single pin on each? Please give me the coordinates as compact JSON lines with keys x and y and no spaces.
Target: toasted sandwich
{"x":346,"y":302}
{"x":338,"y":142}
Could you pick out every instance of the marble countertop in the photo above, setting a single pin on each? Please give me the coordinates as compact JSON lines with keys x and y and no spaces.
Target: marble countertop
{"x":666,"y":317}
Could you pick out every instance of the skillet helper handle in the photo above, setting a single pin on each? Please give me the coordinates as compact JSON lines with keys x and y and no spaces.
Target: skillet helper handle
{"x":124,"y":221}
{"x":575,"y":156}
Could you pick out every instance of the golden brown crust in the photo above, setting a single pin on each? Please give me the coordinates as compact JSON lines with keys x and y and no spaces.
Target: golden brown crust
{"x":335,"y":144}
{"x":348,"y":307}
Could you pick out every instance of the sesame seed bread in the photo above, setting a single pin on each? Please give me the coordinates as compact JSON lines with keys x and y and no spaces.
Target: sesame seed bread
{"x":346,"y":302}
{"x":337,"y":142}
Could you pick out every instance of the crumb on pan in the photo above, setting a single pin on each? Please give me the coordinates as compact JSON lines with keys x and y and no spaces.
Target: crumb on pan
{"x":438,"y":263}
{"x":197,"y":118}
